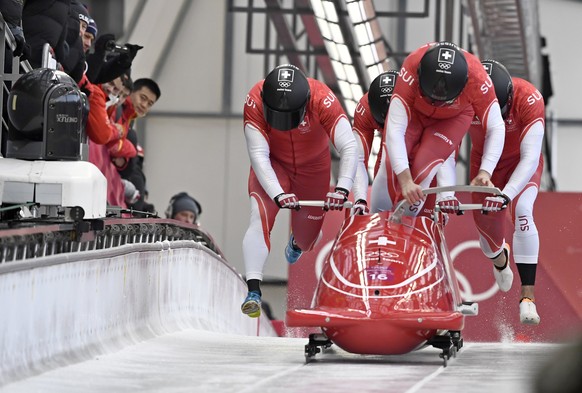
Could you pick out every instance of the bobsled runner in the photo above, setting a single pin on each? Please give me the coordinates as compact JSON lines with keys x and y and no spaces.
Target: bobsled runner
{"x":388,"y":286}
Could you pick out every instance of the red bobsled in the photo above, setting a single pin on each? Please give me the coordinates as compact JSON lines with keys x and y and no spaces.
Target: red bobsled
{"x":388,"y":287}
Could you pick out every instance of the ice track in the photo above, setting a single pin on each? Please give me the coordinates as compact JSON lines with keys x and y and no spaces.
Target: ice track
{"x":202,"y":361}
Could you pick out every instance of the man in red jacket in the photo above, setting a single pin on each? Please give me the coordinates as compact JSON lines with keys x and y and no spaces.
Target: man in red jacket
{"x":518,"y":174}
{"x":289,"y":120}
{"x":369,"y":118}
{"x":439,"y":90}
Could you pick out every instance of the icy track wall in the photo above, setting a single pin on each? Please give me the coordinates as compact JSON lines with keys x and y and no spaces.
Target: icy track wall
{"x":68,"y":308}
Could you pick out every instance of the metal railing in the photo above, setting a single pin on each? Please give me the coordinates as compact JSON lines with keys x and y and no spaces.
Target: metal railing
{"x":41,"y":238}
{"x":9,"y":75}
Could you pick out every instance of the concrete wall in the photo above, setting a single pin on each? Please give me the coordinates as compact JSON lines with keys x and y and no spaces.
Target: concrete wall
{"x":204,"y":153}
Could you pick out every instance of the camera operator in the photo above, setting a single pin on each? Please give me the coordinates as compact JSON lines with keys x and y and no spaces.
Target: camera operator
{"x":109,"y":59}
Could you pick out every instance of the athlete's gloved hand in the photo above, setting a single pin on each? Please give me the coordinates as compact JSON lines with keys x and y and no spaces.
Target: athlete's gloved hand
{"x":287,"y":201}
{"x":449,"y":204}
{"x":335,"y":200}
{"x":443,"y":219}
{"x":361,"y":207}
{"x":495,"y":203}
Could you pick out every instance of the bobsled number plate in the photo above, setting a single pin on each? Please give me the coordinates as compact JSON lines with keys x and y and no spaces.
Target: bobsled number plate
{"x":379,"y":273}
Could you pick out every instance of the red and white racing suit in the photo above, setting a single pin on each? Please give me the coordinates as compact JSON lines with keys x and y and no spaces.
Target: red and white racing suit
{"x":296,"y":161}
{"x":364,"y":129}
{"x":421,"y":137}
{"x":517,"y":174}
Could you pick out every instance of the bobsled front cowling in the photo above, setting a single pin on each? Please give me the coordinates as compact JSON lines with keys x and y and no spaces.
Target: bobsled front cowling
{"x":378,"y":267}
{"x":385,"y":287}
{"x":388,"y":286}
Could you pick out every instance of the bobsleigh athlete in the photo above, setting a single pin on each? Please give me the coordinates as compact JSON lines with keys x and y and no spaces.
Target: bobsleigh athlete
{"x":439,"y":90}
{"x":518,"y":174}
{"x":289,"y":120}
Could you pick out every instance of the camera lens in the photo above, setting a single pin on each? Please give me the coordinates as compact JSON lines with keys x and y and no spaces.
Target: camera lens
{"x":110,"y":45}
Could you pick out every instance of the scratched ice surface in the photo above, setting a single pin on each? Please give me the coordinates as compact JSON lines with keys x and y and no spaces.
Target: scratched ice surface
{"x":201,"y":361}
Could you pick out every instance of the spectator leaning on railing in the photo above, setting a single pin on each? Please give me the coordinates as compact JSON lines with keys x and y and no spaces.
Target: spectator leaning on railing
{"x":145,"y":94}
{"x":44,"y":21}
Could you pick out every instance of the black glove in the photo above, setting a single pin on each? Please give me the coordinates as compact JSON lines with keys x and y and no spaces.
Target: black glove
{"x":126,"y":58}
{"x":132,"y":50}
{"x":22,"y":49}
{"x":101,"y":43}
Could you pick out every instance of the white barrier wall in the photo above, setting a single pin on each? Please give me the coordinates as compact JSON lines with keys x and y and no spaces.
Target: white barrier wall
{"x":72,"y":307}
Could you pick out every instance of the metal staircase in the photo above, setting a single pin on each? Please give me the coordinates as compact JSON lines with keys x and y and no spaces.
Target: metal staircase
{"x":508,"y":31}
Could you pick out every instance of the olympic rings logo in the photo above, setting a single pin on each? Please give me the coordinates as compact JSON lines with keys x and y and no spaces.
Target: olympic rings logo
{"x":385,"y":90}
{"x":445,"y":66}
{"x":285,"y":84}
{"x":464,"y":284}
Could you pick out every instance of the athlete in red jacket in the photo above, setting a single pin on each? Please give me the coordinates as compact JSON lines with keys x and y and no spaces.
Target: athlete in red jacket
{"x":289,"y":121}
{"x":439,"y":90}
{"x":517,"y":174}
{"x":369,"y":118}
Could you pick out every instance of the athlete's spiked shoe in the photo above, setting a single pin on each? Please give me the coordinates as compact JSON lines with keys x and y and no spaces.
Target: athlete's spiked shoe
{"x":528,"y":314}
{"x":252,"y":305}
{"x":292,"y":252}
{"x":504,"y":277}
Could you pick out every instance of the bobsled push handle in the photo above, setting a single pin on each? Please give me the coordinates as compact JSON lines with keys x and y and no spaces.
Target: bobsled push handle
{"x":462,"y":188}
{"x":347,"y":204}
{"x":399,"y":208}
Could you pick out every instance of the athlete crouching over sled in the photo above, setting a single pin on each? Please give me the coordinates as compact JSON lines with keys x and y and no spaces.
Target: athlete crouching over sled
{"x":517,"y":174}
{"x":289,"y":120}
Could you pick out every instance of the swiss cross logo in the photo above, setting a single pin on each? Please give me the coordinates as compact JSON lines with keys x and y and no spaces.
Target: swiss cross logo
{"x":446,"y":55}
{"x":488,"y":67}
{"x":383,"y":241}
{"x":286,"y":75}
{"x":387,"y":81}
{"x":304,"y":126}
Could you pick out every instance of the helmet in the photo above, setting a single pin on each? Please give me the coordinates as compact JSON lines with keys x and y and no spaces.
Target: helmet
{"x":502,"y":82}
{"x":285,"y":96}
{"x":380,"y":93}
{"x":443,"y":72}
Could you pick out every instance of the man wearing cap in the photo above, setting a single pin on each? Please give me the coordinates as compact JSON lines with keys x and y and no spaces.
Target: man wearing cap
{"x":184,"y":208}
{"x":89,"y":35}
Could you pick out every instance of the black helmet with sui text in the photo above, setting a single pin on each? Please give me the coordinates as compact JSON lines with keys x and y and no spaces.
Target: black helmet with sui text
{"x":380,"y":93}
{"x":501,"y":82}
{"x":285,"y":97}
{"x":443,"y":73}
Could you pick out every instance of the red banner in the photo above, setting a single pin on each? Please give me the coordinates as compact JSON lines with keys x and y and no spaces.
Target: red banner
{"x":558,"y":290}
